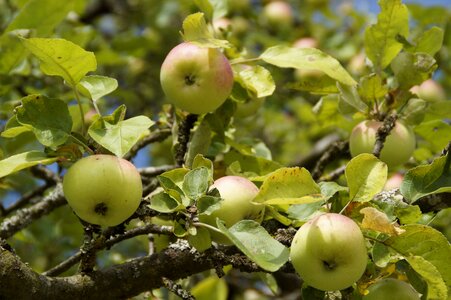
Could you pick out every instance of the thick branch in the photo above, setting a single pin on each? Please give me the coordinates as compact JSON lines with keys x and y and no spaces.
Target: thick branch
{"x":25,"y":216}
{"x":117,"y":282}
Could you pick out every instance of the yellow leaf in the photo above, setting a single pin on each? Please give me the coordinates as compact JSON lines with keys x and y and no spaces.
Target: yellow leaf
{"x":378,"y":221}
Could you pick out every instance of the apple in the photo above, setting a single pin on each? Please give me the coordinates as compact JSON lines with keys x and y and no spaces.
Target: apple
{"x":222,"y":24}
{"x":394,"y":182}
{"x":278,"y":14}
{"x":329,"y":252}
{"x":398,"y":147}
{"x":236,"y":193}
{"x":306,"y":42}
{"x":103,"y":189}
{"x":391,"y":288}
{"x":357,"y":64}
{"x":430,"y":91}
{"x":196,"y":79}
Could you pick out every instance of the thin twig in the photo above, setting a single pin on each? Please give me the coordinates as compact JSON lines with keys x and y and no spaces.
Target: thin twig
{"x":24,"y":200}
{"x":25,"y":216}
{"x":383,"y":132}
{"x":177,"y":289}
{"x":155,"y":137}
{"x":336,"y":150}
{"x":154,"y":171}
{"x":184,"y":133}
{"x":105,"y":244}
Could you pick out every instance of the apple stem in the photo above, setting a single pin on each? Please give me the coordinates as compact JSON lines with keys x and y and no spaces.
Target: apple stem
{"x":80,"y":107}
{"x":200,"y":224}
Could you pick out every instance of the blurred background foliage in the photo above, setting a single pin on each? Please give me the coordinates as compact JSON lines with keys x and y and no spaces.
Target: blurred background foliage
{"x":131,"y":38}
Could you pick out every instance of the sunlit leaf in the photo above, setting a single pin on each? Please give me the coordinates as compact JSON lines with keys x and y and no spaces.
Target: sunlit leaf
{"x":49,"y":119}
{"x":307,"y":59}
{"x":62,"y":58}
{"x":256,"y":243}
{"x":24,"y":160}
{"x":381,"y":45}
{"x":95,"y":86}
{"x":366,"y":176}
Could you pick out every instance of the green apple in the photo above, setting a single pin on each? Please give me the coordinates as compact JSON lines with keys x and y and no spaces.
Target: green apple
{"x":103,"y":189}
{"x":236,"y":193}
{"x":398,"y":146}
{"x":391,"y":288}
{"x":430,"y":91}
{"x":278,"y":14}
{"x":329,"y":252}
{"x":196,"y":79}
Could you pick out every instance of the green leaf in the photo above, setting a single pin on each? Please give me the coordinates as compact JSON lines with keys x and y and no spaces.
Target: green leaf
{"x":24,"y":160}
{"x":13,"y":128}
{"x":381,"y":45}
{"x":42,"y":16}
{"x":350,"y":96}
{"x":427,"y":179}
{"x":330,"y":188}
{"x":195,"y":30}
{"x":381,"y":255}
{"x":173,"y":180}
{"x":426,"y":242}
{"x":372,"y":88}
{"x":307,"y":59}
{"x":207,"y":204}
{"x":210,"y":288}
{"x":62,"y":58}
{"x":289,"y":186}
{"x":49,"y":119}
{"x":119,"y":136}
{"x":249,"y":164}
{"x":256,"y":79}
{"x":164,"y":203}
{"x":366,"y":176}
{"x":213,"y":9}
{"x":200,"y":161}
{"x":199,"y":142}
{"x":430,"y":41}
{"x":196,"y":182}
{"x":415,"y":111}
{"x":436,"y":132}
{"x":256,"y":243}
{"x":95,"y":86}
{"x":201,"y":240}
{"x":321,"y":85}
{"x":412,"y":69}
{"x":436,"y":286}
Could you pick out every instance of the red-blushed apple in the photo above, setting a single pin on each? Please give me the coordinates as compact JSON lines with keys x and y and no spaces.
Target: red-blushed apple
{"x":103,"y":189}
{"x":222,"y":24}
{"x":278,"y":14}
{"x":329,"y":252}
{"x":357,"y":64}
{"x":306,"y":42}
{"x":430,"y":91}
{"x":196,"y":79}
{"x":391,"y":288}
{"x":394,"y":182}
{"x":398,"y":147}
{"x":236,"y":193}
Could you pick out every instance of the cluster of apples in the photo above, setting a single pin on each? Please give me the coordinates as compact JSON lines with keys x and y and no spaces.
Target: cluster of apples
{"x":328,"y":252}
